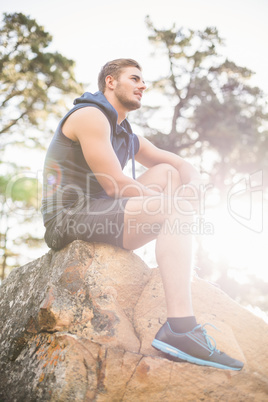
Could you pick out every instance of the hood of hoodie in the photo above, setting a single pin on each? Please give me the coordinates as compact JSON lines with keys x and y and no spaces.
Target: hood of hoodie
{"x":98,"y":99}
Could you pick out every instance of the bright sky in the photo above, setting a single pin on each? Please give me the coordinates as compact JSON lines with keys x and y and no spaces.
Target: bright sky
{"x":93,"y":32}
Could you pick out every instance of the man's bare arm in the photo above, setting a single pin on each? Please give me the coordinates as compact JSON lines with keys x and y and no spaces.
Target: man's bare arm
{"x":149,"y":155}
{"x":91,"y":128}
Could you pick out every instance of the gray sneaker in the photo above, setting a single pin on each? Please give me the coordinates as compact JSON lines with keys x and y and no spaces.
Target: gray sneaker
{"x":195,"y":346}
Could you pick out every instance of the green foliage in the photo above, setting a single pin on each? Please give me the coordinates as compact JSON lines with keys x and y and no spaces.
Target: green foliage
{"x":25,"y":190}
{"x":32,"y":78}
{"x":215,"y":111}
{"x":19,"y":203}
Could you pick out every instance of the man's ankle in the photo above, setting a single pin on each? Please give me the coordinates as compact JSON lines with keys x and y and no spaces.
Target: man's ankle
{"x":182,"y":324}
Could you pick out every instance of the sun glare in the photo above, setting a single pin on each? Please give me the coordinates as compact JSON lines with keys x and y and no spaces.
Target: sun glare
{"x":237,"y":243}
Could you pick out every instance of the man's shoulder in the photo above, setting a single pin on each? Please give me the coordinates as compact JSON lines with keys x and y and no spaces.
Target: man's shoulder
{"x":83,"y":121}
{"x":98,"y":101}
{"x":89,"y":111}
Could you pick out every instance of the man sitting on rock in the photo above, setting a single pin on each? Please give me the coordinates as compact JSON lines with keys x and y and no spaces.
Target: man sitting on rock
{"x":87,"y":196}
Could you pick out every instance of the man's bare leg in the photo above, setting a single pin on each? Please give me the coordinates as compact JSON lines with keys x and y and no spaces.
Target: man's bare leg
{"x":174,"y":256}
{"x":173,"y":249}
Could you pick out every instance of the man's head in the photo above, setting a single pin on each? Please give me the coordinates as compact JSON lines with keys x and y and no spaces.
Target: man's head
{"x":122,"y":83}
{"x":115,"y":68}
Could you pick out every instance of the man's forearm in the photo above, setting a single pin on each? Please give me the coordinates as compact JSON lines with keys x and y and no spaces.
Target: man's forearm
{"x":128,"y":187}
{"x":188,"y":173}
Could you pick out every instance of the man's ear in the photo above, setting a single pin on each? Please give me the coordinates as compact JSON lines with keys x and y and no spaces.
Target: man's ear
{"x":110,"y":82}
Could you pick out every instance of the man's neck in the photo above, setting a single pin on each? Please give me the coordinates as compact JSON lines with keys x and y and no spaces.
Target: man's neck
{"x":121,"y":111}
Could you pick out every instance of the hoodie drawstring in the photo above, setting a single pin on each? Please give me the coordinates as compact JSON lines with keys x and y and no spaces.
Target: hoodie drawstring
{"x":133,"y":157}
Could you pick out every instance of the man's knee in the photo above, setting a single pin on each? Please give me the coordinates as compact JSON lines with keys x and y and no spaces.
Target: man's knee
{"x":171,"y":180}
{"x":166,"y":168}
{"x":169,"y":175}
{"x":158,"y":208}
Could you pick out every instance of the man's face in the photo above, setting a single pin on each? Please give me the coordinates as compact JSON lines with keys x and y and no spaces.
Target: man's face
{"x":129,"y":88}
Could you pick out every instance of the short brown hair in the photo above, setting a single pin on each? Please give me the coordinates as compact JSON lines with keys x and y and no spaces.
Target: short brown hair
{"x":114,"y":68}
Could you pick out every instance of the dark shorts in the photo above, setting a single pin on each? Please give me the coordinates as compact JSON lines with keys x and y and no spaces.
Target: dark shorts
{"x":101,"y":220}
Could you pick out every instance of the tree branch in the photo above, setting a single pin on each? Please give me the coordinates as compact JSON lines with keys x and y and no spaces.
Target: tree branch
{"x":12,"y":123}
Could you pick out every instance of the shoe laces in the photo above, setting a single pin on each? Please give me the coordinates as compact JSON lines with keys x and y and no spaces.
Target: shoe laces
{"x":209,"y":339}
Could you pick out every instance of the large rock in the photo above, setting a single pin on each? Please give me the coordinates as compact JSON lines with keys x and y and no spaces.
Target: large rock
{"x":77,"y":325}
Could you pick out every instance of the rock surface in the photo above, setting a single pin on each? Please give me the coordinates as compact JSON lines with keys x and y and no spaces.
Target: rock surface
{"x":77,"y":325}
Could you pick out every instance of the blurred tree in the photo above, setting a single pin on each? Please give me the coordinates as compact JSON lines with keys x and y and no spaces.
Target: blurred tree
{"x":33,"y":80}
{"x":202,"y":107}
{"x":213,"y":114}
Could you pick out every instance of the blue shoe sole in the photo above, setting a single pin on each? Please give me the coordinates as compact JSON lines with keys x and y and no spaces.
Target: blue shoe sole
{"x":164,"y":347}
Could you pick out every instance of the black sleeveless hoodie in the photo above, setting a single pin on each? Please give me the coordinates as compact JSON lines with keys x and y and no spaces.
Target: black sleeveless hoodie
{"x":66,"y":173}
